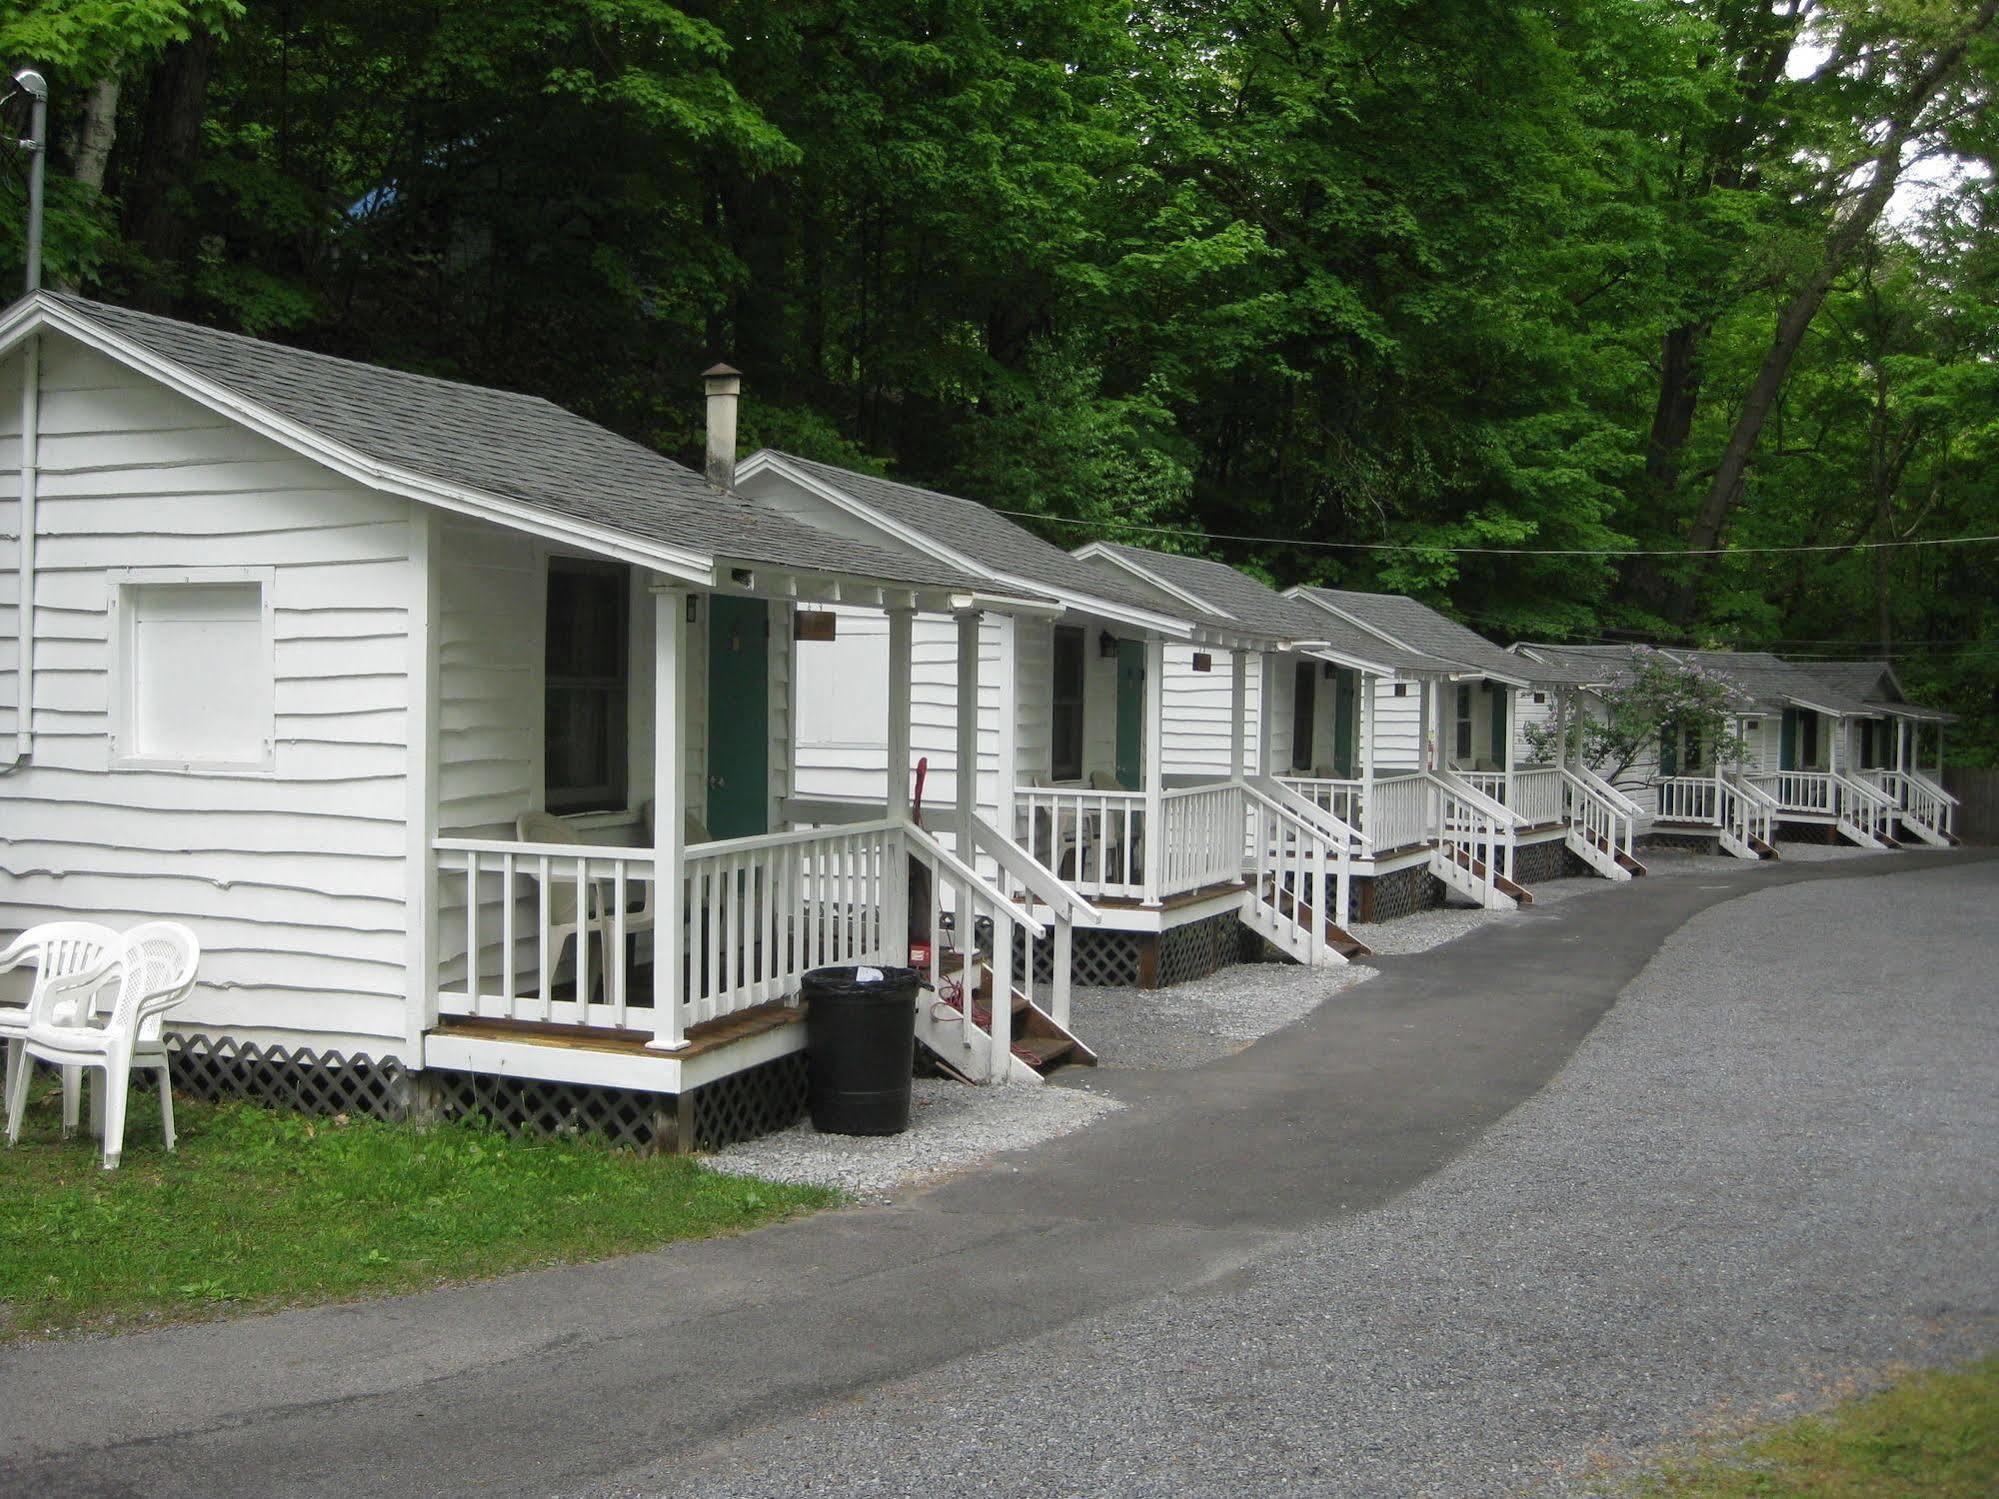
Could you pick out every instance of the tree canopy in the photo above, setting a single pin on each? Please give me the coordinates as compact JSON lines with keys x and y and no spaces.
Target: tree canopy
{"x":1576,"y":317}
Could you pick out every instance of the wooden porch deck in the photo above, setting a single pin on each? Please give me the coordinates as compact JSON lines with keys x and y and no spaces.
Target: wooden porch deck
{"x":617,"y":1057}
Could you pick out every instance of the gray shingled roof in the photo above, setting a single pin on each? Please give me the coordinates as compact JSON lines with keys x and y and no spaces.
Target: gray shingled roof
{"x":1235,"y":593}
{"x":1421,"y":628}
{"x":1871,"y":682}
{"x":1773,"y":683}
{"x":504,"y":445}
{"x":1609,"y":665}
{"x":993,"y":541}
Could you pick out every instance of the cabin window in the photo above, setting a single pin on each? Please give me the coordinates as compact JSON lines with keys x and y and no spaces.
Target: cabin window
{"x":194,"y":657}
{"x":1462,"y":753}
{"x":1304,"y":715}
{"x":1066,"y":728}
{"x":587,"y":682}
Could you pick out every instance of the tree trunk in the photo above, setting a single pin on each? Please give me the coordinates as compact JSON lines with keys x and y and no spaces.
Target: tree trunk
{"x":1672,"y":423}
{"x":98,"y":130}
{"x":169,"y":147}
{"x":1726,"y":488}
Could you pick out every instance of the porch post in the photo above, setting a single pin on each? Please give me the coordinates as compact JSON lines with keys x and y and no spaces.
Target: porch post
{"x":1238,"y":709}
{"x":967,"y":776}
{"x":1364,"y":812}
{"x":1939,"y":751}
{"x":669,"y":823}
{"x":1901,"y":744}
{"x":1155,"y":767}
{"x":1266,"y":711}
{"x":895,"y":879}
{"x":900,"y":622}
{"x":1508,"y":698}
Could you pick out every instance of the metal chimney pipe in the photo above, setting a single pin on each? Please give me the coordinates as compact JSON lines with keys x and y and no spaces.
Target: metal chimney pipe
{"x":37,"y":89}
{"x":725,"y":388}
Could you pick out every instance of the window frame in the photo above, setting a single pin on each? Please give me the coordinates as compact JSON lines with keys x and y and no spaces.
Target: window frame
{"x":614,"y":797}
{"x":1058,"y":702}
{"x":121,"y":620}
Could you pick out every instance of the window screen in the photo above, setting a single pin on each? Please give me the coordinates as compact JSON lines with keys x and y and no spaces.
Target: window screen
{"x":587,"y":679}
{"x":1066,"y":732}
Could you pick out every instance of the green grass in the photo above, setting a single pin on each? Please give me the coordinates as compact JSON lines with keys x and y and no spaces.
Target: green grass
{"x":1934,"y":1435}
{"x":260,"y":1209}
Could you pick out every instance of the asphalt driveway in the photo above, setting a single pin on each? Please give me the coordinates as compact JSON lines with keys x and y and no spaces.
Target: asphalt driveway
{"x":778,"y":1360}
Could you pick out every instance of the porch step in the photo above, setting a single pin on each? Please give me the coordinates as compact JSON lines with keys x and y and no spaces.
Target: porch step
{"x":1040,"y":1044}
{"x":1763,"y":850}
{"x":1345,"y":943}
{"x":1285,"y":921}
{"x":1451,"y":856}
{"x":1628,"y":864}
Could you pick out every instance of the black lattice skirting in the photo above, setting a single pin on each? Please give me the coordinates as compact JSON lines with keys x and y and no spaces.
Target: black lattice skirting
{"x":742,"y":1106}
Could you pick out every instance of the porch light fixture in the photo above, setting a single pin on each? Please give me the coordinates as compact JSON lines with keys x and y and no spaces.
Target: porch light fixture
{"x":1203,"y":661}
{"x":1327,"y":670}
{"x":1402,"y":689}
{"x":693,"y":608}
{"x":1107,"y":645}
{"x":1540,"y":698}
{"x":742,"y":577}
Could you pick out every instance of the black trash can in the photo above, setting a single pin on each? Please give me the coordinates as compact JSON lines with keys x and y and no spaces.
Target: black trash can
{"x":860,"y":1029}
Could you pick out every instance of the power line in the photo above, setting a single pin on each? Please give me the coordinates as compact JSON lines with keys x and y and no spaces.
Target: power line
{"x":1424,"y":546}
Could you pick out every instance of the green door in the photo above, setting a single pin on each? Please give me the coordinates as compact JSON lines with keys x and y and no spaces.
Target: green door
{"x":1502,"y":698}
{"x":1131,"y":714}
{"x":1346,"y":722}
{"x":1787,"y":745}
{"x":738,"y":717}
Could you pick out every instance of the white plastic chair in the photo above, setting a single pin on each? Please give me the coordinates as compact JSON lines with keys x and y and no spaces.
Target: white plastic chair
{"x":62,"y":951}
{"x":564,"y":918}
{"x":155,"y":966}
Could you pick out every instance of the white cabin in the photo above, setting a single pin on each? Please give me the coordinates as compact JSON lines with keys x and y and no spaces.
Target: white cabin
{"x":360,"y":673}
{"x":1829,"y":750}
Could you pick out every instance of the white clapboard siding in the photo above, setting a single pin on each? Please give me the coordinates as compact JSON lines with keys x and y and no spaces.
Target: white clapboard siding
{"x":843,"y":735}
{"x":293,"y":879}
{"x":1199,"y":711}
{"x":1398,"y":725}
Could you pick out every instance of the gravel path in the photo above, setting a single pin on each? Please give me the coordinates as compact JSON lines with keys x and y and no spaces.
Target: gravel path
{"x":1197,"y":1022}
{"x":1765,"y":1177}
{"x":952,"y":1127}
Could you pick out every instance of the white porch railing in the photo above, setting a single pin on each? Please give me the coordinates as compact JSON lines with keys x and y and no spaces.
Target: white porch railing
{"x":757,"y":914}
{"x":1203,"y":843}
{"x":1923,"y":802}
{"x":1342,"y":798}
{"x":974,"y":1036}
{"x":1476,"y":839}
{"x":1022,"y":878}
{"x":1097,"y":842}
{"x":1397,"y":814}
{"x":1535,"y":795}
{"x":1866,"y":808}
{"x":1300,"y":877}
{"x":1090,"y":839}
{"x":1813,"y":793}
{"x":1602,"y":817}
{"x":1748,"y":817}
{"x":1689,"y":799}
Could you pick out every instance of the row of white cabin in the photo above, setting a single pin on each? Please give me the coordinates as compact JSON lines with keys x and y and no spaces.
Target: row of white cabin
{"x":480,"y":744}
